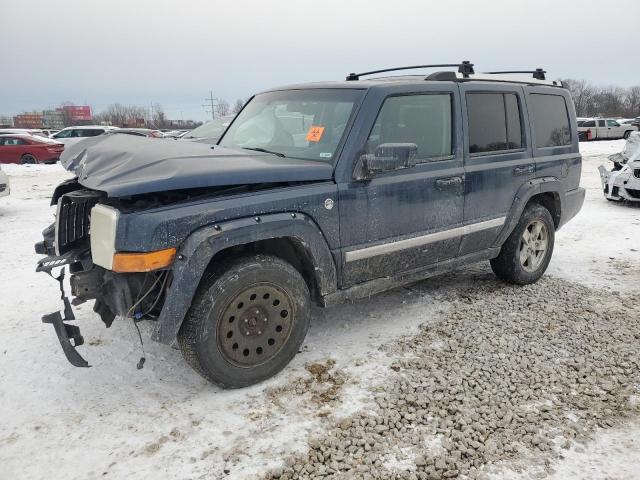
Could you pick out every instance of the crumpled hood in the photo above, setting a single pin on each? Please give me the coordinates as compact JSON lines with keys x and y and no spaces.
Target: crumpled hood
{"x":123,"y":165}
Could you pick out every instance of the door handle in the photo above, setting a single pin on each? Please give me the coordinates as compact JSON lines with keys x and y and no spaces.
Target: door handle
{"x":449,"y":182}
{"x":523,"y":170}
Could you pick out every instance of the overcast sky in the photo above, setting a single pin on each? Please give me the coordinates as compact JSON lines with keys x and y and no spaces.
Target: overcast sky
{"x":174,"y":52}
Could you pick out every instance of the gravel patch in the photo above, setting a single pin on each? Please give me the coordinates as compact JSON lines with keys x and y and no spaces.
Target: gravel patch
{"x":508,"y":373}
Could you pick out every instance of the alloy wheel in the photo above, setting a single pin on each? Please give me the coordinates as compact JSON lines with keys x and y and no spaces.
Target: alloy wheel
{"x":533,"y":245}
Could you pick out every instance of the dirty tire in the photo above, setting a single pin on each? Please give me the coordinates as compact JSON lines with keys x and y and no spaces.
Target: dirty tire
{"x":203,"y":336}
{"x":28,"y":159}
{"x":507,"y":265}
{"x":626,"y":134}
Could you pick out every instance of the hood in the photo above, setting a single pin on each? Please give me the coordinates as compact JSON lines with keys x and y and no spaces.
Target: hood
{"x":123,"y":165}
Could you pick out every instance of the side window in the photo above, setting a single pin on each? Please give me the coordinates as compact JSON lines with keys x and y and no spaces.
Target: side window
{"x":612,"y":123}
{"x":421,"y":119}
{"x":589,"y":123}
{"x":494,"y":122}
{"x":551,"y":120}
{"x":601,"y":123}
{"x":63,"y":134}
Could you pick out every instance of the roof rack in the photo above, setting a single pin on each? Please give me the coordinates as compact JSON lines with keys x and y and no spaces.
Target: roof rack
{"x":538,"y":73}
{"x":466,"y":73}
{"x":465,"y":68}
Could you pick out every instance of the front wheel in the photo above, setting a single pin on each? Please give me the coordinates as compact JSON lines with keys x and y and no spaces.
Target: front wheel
{"x":246,"y":322}
{"x":626,"y":134}
{"x":526,"y":254}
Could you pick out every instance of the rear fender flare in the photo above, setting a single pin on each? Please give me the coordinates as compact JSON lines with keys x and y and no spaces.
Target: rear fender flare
{"x":195,"y":254}
{"x":525,"y":192}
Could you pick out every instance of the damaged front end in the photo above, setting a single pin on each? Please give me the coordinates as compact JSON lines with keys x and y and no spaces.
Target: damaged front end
{"x":130,"y":287}
{"x":622,"y":182}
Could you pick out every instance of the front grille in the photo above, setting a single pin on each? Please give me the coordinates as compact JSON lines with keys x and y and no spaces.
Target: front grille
{"x":73,"y":219}
{"x":636,"y":173}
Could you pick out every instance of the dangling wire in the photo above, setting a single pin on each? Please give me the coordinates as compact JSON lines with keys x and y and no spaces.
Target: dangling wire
{"x":137,"y":317}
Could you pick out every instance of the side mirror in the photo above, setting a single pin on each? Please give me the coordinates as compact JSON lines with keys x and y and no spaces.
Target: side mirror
{"x":387,"y":157}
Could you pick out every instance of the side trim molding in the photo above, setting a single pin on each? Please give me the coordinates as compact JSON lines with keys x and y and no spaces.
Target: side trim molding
{"x":391,"y":247}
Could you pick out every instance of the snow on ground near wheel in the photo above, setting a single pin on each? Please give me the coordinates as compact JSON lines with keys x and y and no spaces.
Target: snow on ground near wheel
{"x":58,"y":421}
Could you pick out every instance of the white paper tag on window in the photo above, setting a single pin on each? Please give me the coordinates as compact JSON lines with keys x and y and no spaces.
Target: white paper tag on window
{"x":325,"y":155}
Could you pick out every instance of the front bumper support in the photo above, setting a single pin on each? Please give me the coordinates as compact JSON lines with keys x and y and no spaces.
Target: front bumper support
{"x":64,"y":331}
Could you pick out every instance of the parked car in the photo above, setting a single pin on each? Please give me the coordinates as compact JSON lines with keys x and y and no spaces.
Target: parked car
{"x":25,"y":149}
{"x":209,"y":132}
{"x":140,"y":132}
{"x":72,"y":135}
{"x":175,"y":133}
{"x":603,"y":129}
{"x":5,"y":185}
{"x":22,"y":131}
{"x":321,"y":192}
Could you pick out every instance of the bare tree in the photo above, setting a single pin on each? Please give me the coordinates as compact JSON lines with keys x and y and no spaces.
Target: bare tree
{"x":223,"y":108}
{"x":237,"y":106}
{"x":120,"y":115}
{"x":158,"y":119}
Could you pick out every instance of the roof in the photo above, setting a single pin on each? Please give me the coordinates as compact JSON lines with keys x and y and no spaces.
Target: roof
{"x":464,"y":74}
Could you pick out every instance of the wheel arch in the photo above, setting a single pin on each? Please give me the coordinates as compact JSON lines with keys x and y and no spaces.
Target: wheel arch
{"x":546,"y":191}
{"x":294,"y":237}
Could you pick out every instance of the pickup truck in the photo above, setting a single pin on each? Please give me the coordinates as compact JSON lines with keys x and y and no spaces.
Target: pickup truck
{"x":603,"y":129}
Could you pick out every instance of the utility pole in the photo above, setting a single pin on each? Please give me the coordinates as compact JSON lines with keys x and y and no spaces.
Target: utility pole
{"x":210,"y":104}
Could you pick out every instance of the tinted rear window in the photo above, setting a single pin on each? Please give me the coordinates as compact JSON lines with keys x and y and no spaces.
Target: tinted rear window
{"x":588,"y":123}
{"x":551,"y":120}
{"x":494,"y":122}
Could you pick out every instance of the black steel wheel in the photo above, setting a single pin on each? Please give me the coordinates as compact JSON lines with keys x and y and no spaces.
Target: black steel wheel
{"x":255,"y":325}
{"x":28,"y":159}
{"x":246,"y":322}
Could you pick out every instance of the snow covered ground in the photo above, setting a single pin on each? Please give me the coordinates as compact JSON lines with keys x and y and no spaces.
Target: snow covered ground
{"x":111,"y":420}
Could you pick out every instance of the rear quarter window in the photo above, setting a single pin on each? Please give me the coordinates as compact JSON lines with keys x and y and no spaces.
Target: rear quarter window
{"x":551,"y":120}
{"x":494,"y":122}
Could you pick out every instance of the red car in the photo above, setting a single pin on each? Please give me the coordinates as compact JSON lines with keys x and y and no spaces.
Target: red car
{"x":29,"y":149}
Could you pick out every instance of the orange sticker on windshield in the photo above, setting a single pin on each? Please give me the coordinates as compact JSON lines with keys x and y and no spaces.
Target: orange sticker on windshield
{"x":315,"y":133}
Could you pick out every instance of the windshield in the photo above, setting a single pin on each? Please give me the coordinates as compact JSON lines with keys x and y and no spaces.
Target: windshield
{"x":306,"y":124}
{"x":213,"y":129}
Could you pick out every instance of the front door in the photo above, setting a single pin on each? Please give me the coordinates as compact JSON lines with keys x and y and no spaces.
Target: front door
{"x":406,"y":219}
{"x":498,"y":159}
{"x":614,"y":129}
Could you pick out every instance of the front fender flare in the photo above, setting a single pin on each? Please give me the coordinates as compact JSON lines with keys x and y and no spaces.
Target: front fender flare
{"x":196,"y":252}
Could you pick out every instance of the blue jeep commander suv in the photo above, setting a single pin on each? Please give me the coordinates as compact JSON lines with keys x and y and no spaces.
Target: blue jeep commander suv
{"x":321,"y":192}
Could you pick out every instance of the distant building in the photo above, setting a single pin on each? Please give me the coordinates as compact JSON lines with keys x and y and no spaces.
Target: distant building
{"x":28,"y":120}
{"x":77,"y":114}
{"x":53,"y":119}
{"x":6,"y":122}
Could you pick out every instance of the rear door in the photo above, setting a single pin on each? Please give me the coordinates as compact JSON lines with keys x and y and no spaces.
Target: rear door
{"x":601,"y":129}
{"x":403,"y":220}
{"x":498,"y":158}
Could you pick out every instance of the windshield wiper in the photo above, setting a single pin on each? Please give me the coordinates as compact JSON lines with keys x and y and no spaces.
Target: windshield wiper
{"x":264,"y":150}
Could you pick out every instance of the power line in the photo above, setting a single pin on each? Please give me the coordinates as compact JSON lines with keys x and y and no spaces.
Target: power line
{"x":211,"y":104}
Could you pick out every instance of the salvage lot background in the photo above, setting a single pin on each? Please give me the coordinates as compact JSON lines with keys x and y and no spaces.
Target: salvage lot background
{"x":112,"y":420}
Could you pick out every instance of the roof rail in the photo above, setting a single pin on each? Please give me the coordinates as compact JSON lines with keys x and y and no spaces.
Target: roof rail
{"x":465,"y":68}
{"x":538,"y":73}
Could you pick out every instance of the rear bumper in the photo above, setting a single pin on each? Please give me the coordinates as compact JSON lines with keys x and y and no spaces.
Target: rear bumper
{"x":572,"y":203}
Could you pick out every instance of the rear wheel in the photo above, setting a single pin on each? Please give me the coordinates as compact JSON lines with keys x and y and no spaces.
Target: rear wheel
{"x":28,"y":159}
{"x":247,"y":322}
{"x":526,"y":254}
{"x":626,"y":134}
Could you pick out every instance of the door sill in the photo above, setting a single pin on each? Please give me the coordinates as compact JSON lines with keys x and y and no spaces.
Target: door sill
{"x":378,"y":285}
